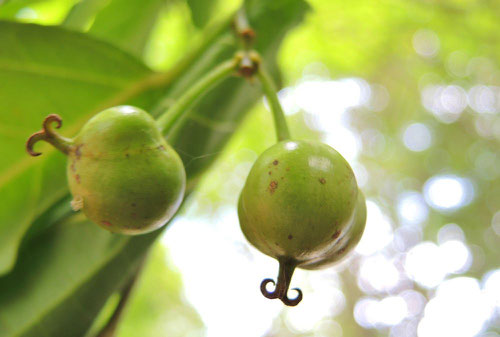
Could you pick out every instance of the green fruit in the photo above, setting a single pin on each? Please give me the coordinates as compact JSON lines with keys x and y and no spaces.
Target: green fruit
{"x":121,"y":172}
{"x":300,"y":204}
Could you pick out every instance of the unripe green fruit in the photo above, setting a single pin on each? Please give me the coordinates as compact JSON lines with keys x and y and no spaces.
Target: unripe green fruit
{"x":121,"y":172}
{"x":300,"y":204}
{"x":128,"y":179}
{"x":298,"y":197}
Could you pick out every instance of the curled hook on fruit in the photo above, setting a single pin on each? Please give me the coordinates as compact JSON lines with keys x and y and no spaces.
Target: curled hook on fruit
{"x":49,"y":135}
{"x":281,"y":289}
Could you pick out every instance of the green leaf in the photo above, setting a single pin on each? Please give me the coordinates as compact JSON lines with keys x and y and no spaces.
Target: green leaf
{"x":59,"y":284}
{"x":48,"y":70}
{"x":201,"y":11}
{"x":70,"y":274}
{"x":127,"y":23}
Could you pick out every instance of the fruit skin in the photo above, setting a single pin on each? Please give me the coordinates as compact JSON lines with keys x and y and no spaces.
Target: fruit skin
{"x":346,"y":243}
{"x":298,"y":201}
{"x":123,"y":174}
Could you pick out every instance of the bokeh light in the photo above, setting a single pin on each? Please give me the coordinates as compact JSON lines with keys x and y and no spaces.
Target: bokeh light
{"x":424,"y":265}
{"x":426,"y":43}
{"x":412,"y":208}
{"x":378,"y":231}
{"x":448,"y":192}
{"x":370,"y":312}
{"x":445,"y":102}
{"x":484,"y":99}
{"x":417,"y":137}
{"x":459,"y":308}
{"x":495,"y":222}
{"x":378,"y":274}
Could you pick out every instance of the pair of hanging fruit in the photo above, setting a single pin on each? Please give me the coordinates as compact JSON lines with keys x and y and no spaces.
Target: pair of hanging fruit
{"x":300,"y":203}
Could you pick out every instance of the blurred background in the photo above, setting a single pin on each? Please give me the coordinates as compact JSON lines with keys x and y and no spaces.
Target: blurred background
{"x":408,"y":91}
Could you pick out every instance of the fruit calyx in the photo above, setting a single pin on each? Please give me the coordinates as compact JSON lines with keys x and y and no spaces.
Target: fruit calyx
{"x":248,"y":63}
{"x":47,"y":134}
{"x":287,"y":267}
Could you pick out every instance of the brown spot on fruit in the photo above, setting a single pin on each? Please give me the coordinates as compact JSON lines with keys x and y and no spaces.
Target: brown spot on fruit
{"x":77,"y":178}
{"x":290,"y":236}
{"x":288,"y":169}
{"x":270,"y":173}
{"x":275,"y":162}
{"x":322,"y":181}
{"x":127,"y":155}
{"x":161,"y":147}
{"x":133,"y":204}
{"x":341,"y":250}
{"x":78,"y":153}
{"x":273,"y":185}
{"x":336,"y":235}
{"x":282,"y":178}
{"x":106,"y":223}
{"x":72,"y":166}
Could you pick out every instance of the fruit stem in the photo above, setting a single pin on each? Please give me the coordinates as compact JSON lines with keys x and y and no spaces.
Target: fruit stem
{"x":173,"y":115}
{"x":285,"y":273}
{"x":269,"y":88}
{"x":243,"y":30}
{"x":48,"y":135}
{"x":246,"y":35}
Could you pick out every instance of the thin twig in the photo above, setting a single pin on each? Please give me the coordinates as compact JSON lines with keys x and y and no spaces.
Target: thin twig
{"x":109,"y":329}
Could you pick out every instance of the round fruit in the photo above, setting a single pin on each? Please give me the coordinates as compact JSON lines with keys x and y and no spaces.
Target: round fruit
{"x":121,"y":172}
{"x":124,"y":174}
{"x":299,"y":195}
{"x":299,"y":204}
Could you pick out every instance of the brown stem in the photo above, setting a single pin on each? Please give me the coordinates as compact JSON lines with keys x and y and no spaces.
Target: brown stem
{"x":286,"y":270}
{"x":47,"y":134}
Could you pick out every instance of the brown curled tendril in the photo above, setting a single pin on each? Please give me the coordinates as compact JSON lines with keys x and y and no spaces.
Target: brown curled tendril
{"x":47,"y":134}
{"x":281,"y":289}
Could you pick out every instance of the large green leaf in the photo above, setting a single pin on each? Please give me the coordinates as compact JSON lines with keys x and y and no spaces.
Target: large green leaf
{"x":65,"y":294}
{"x":68,"y":304}
{"x":48,"y":70}
{"x":127,"y":23}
